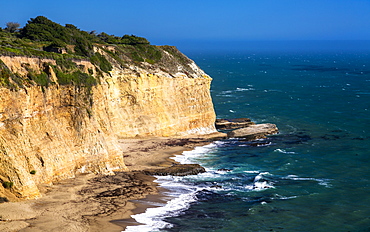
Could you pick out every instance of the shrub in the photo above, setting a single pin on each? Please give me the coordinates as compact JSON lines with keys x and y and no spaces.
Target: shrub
{"x":4,"y":78}
{"x":8,"y":184}
{"x":79,"y":78}
{"x":65,"y":64}
{"x":33,"y":172}
{"x":133,"y":40}
{"x":101,"y":61}
{"x":41,"y":79}
{"x":43,"y":29}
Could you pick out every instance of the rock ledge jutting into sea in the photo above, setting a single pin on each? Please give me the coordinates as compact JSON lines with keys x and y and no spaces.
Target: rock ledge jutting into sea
{"x":235,"y":123}
{"x":253,"y":132}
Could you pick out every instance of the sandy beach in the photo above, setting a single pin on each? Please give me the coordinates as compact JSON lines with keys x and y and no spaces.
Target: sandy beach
{"x":92,"y":202}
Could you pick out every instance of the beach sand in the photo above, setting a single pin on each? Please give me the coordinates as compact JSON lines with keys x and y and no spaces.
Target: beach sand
{"x":92,"y":202}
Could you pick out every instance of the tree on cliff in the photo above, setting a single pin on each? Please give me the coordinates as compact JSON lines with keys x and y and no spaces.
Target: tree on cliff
{"x":43,"y":29}
{"x":12,"y":27}
{"x":41,"y":32}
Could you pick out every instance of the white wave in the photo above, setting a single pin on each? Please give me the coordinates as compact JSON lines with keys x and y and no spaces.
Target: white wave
{"x":179,"y":194}
{"x":226,"y":95}
{"x":258,"y":186}
{"x":217,"y":143}
{"x":244,"y":89}
{"x":285,"y":198}
{"x":251,"y":171}
{"x":189,"y":157}
{"x":153,"y":217}
{"x":259,"y":183}
{"x":284,"y":151}
{"x":323,"y":182}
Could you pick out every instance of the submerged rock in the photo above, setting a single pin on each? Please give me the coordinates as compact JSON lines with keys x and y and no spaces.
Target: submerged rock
{"x":177,"y":170}
{"x":236,"y":123}
{"x":254,"y":132}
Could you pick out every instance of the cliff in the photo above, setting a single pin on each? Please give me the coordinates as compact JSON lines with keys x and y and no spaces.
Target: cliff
{"x":52,"y":129}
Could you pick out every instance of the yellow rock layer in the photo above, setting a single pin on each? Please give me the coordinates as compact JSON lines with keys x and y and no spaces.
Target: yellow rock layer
{"x":58,"y":132}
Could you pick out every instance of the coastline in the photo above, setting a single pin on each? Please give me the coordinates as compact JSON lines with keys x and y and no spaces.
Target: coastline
{"x":92,"y":202}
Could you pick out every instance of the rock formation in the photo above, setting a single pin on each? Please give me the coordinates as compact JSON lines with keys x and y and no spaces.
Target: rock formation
{"x":254,"y":132}
{"x":236,"y":123}
{"x":49,"y":133}
{"x":177,"y":170}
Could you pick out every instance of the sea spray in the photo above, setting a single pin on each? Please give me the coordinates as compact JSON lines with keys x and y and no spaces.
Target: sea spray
{"x":180,"y":193}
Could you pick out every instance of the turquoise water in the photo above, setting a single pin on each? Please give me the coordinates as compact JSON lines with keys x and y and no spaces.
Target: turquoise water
{"x":313,"y":176}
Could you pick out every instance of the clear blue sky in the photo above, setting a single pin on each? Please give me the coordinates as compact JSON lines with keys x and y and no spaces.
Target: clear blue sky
{"x":166,"y":21}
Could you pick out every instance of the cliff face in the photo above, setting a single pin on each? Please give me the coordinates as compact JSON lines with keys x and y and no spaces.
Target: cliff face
{"x":51,"y":133}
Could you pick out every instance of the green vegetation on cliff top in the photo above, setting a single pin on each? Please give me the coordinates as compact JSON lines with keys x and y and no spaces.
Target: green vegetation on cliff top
{"x":43,"y":38}
{"x":40,"y":36}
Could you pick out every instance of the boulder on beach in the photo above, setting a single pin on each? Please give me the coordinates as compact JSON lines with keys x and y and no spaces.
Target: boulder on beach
{"x":254,"y":132}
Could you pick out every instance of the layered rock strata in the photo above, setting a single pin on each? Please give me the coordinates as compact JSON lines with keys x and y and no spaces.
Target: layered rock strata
{"x":230,"y":124}
{"x":51,"y":133}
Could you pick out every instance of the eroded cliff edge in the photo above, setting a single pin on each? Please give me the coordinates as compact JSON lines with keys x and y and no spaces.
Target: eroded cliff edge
{"x":54,"y":131}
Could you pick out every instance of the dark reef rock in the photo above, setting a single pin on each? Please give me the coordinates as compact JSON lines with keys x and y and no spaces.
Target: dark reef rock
{"x":236,"y":123}
{"x":254,"y":132}
{"x":294,"y":138}
{"x":177,"y":170}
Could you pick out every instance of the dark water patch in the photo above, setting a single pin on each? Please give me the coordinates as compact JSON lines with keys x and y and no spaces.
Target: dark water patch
{"x":204,"y":225}
{"x":204,"y":215}
{"x":330,"y":137}
{"x":224,"y":170}
{"x":206,"y":195}
{"x":294,"y":138}
{"x":260,"y":199}
{"x":254,"y":143}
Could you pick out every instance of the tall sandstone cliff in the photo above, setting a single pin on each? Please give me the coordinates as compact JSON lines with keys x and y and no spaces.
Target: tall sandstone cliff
{"x":55,"y":132}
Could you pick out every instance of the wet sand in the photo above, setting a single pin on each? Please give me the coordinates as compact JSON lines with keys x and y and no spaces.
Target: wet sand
{"x":96,"y":202}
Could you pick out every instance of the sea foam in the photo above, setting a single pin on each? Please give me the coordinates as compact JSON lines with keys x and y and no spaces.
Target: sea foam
{"x":181,"y":195}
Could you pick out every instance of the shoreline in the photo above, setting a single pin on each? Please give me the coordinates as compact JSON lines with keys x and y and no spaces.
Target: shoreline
{"x":92,"y":202}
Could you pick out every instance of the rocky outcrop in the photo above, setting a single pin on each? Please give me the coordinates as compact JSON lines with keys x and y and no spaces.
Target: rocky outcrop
{"x":177,"y":170}
{"x":230,"y":124}
{"x":254,"y":132}
{"x":51,"y":133}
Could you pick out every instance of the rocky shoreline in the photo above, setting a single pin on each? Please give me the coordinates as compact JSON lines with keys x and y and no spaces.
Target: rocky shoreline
{"x":92,"y":202}
{"x":100,"y":202}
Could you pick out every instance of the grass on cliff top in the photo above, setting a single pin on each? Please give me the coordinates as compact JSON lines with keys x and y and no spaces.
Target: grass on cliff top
{"x":43,"y":38}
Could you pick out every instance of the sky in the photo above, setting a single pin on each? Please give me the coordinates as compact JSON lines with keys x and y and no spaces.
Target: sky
{"x":178,"y":21}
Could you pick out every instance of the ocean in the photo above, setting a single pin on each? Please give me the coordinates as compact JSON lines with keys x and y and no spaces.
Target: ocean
{"x":312,"y":176}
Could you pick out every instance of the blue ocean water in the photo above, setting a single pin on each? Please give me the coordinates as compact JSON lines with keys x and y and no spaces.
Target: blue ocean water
{"x":312,"y":176}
